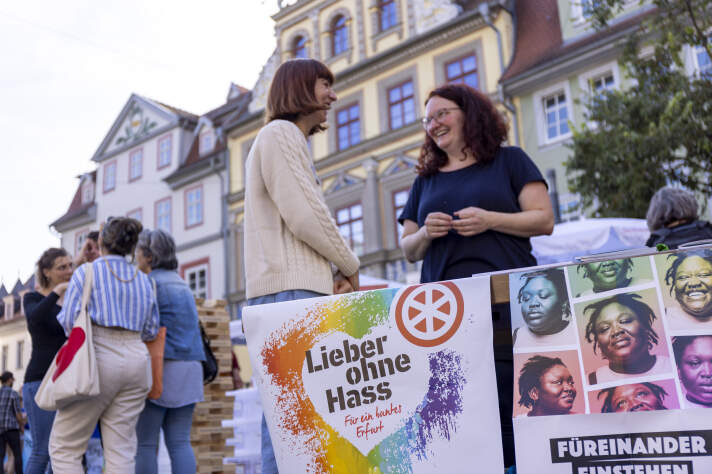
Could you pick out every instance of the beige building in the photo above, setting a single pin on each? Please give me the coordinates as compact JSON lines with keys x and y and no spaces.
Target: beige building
{"x":15,"y":343}
{"x":386,"y":56}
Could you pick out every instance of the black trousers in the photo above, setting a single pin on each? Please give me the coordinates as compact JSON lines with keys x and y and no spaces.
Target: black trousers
{"x":504,"y":367}
{"x":12,"y":437}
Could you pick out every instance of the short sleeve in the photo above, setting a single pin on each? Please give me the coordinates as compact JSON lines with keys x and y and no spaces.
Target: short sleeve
{"x":410,"y":211}
{"x":522,"y":169}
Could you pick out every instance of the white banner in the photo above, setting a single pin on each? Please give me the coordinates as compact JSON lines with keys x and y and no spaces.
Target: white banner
{"x":393,"y":380}
{"x":613,"y":366}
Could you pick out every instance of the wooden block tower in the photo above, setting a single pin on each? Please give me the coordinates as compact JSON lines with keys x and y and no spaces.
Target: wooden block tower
{"x":207,"y":434}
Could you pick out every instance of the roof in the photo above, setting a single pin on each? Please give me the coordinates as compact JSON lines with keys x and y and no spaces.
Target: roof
{"x":30,"y":283}
{"x":180,"y":112}
{"x":3,"y":291}
{"x":76,"y":207}
{"x":18,"y":287}
{"x":217,"y":117}
{"x":539,"y":37}
{"x":538,"y":34}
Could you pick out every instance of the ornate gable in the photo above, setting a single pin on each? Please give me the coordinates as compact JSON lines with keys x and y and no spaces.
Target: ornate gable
{"x":139,"y":120}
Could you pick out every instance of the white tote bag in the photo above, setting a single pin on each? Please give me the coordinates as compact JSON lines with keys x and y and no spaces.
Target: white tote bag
{"x":73,"y":374}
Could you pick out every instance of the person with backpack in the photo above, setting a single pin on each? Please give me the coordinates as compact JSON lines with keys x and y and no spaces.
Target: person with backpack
{"x":673,"y":219}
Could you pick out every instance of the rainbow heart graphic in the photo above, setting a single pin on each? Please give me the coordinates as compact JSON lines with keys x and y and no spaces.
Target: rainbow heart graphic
{"x":431,"y":417}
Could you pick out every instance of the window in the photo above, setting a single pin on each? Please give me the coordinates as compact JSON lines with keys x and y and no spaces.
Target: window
{"x":87,"y":192}
{"x":207,"y":142}
{"x":79,"y":239}
{"x":9,"y":310}
{"x":599,"y":84}
{"x":163,"y":214}
{"x":399,"y":200}
{"x":194,"y":206}
{"x":348,"y":126}
{"x":5,"y":350}
{"x":704,"y":64}
{"x":339,"y":36}
{"x":556,"y":116}
{"x":135,"y":164}
{"x":110,"y":176}
{"x":196,"y":275}
{"x":463,"y":71}
{"x":350,"y":222}
{"x":20,"y":352}
{"x":136,"y":214}
{"x":299,"y":47}
{"x":401,"y":105}
{"x":165,"y":147}
{"x":388,"y":14}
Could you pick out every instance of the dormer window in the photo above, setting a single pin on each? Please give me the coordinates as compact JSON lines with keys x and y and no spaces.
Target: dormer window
{"x":87,"y":192}
{"x":299,"y":47}
{"x":339,"y":36}
{"x":207,"y":141}
{"x":8,"y":311}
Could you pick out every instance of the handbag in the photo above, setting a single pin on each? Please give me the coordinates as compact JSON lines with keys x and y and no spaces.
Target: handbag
{"x":156,"y":349}
{"x":73,"y":374}
{"x":210,"y":364}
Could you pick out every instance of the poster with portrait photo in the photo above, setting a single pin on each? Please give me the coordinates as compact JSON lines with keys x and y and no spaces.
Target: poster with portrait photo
{"x":693,"y":358}
{"x":686,"y":286}
{"x":651,"y":395}
{"x":547,"y":383}
{"x":622,"y":337}
{"x":541,"y":310}
{"x":594,"y":278}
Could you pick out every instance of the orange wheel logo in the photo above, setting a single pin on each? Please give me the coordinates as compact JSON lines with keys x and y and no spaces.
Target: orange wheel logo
{"x":428,"y":315}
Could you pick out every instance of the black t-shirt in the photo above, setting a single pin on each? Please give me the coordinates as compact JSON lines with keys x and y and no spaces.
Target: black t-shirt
{"x":46,"y":332}
{"x":493,"y":186}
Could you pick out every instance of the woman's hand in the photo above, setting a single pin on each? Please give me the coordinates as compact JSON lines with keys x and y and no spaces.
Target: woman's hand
{"x":471,"y":221}
{"x":342,"y":284}
{"x":437,"y":224}
{"x":61,"y":288}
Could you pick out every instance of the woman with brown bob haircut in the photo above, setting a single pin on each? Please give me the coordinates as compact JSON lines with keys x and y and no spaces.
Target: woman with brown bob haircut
{"x":291,"y":241}
{"x":473,"y":207}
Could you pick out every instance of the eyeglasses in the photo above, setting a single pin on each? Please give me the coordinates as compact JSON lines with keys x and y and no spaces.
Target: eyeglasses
{"x":439,"y":116}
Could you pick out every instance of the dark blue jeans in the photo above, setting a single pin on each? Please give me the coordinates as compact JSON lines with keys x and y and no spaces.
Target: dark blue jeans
{"x":176,"y":423}
{"x":40,"y":427}
{"x":269,"y":463}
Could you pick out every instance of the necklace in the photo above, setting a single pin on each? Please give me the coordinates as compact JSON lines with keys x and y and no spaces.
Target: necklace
{"x":117,"y":276}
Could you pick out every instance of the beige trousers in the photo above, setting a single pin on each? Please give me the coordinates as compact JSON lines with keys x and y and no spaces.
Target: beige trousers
{"x":124,"y":380}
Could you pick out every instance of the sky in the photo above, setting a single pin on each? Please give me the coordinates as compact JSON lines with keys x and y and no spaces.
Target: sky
{"x":67,"y":69}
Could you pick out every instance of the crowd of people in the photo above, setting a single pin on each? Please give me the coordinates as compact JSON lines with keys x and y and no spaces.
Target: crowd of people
{"x":134,"y":290}
{"x":472,"y":208}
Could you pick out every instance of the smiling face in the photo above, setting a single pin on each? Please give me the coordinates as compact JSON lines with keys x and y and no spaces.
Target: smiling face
{"x":541,"y":306}
{"x":325,"y":96}
{"x":556,"y":392}
{"x":619,"y":334}
{"x":693,"y":286}
{"x":607,"y":275}
{"x":60,"y":272}
{"x":695,"y":369}
{"x":446,"y":131}
{"x":635,"y":397}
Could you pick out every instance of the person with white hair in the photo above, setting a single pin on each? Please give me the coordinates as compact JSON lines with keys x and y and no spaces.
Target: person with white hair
{"x":182,"y":368}
{"x":673,"y":219}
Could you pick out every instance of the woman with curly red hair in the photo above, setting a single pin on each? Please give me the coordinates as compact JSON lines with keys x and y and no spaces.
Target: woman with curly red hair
{"x":475,"y":203}
{"x":472,"y":209}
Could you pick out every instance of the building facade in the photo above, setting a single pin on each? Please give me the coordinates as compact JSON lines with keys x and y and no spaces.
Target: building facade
{"x":166,"y":168}
{"x":15,"y":342}
{"x":386,"y":57}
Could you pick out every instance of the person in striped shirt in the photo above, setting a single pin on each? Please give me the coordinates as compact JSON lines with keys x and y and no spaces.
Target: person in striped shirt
{"x":123,"y":310}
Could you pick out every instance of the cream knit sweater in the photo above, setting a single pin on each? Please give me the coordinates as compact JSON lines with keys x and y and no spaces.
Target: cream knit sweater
{"x":290,"y":236}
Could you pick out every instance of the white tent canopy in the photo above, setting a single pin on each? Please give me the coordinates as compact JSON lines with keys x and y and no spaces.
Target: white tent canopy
{"x":588,"y":236}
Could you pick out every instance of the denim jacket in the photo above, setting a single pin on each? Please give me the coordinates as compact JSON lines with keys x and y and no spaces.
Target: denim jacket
{"x":176,"y":307}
